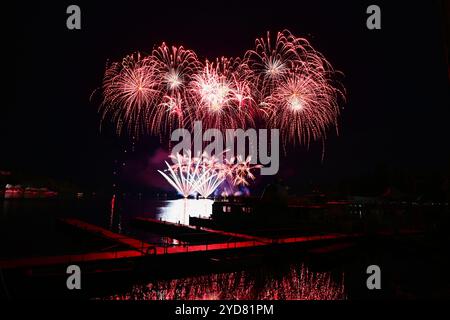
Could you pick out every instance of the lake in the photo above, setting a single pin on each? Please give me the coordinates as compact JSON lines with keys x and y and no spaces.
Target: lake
{"x":412,"y":268}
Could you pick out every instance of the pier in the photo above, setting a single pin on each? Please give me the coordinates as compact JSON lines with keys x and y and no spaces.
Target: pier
{"x":106,"y":234}
{"x":140,"y":249}
{"x":177,"y":228}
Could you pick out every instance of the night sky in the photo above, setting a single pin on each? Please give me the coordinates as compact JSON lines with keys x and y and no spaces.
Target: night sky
{"x":396,"y":79}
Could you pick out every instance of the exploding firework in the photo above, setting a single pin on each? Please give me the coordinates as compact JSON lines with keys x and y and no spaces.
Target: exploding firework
{"x":210,"y":174}
{"x":224,"y":94}
{"x":240,"y":171}
{"x":129,"y":89}
{"x":208,"y":182}
{"x":284,"y":81}
{"x":174,"y":68}
{"x":270,"y":61}
{"x":182,"y":175}
{"x":204,"y":174}
{"x":189,"y":175}
{"x":296,"y":86}
{"x":303,"y":107}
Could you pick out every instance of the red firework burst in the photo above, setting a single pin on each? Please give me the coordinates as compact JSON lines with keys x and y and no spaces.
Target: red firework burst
{"x":223,"y":94}
{"x":129,"y":89}
{"x":174,"y":68}
{"x":286,"y":81}
{"x":296,"y":86}
{"x":302,"y":107}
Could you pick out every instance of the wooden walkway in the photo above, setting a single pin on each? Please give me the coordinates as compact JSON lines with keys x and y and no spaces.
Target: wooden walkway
{"x":143,"y":249}
{"x":153,"y":251}
{"x":67,"y":259}
{"x":181,"y":227}
{"x":106,"y":234}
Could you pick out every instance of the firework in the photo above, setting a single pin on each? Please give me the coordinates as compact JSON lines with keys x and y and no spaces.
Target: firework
{"x":174,"y":68}
{"x":283,"y":81}
{"x":270,"y":61}
{"x":223,"y":94}
{"x":183,"y":175}
{"x":303,"y":107}
{"x":208,"y":182}
{"x":239,"y":171}
{"x":205,"y":173}
{"x":210,"y":175}
{"x":189,"y":175}
{"x":296,"y":86}
{"x":129,"y":89}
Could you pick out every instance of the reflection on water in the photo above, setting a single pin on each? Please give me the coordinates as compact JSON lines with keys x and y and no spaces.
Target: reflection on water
{"x":111,"y":215}
{"x":179,"y":210}
{"x":296,"y":283}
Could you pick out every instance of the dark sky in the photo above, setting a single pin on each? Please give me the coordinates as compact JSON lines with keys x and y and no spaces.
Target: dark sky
{"x":396,"y":79}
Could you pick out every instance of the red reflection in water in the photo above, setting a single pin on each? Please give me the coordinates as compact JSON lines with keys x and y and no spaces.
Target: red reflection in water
{"x":298,"y":283}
